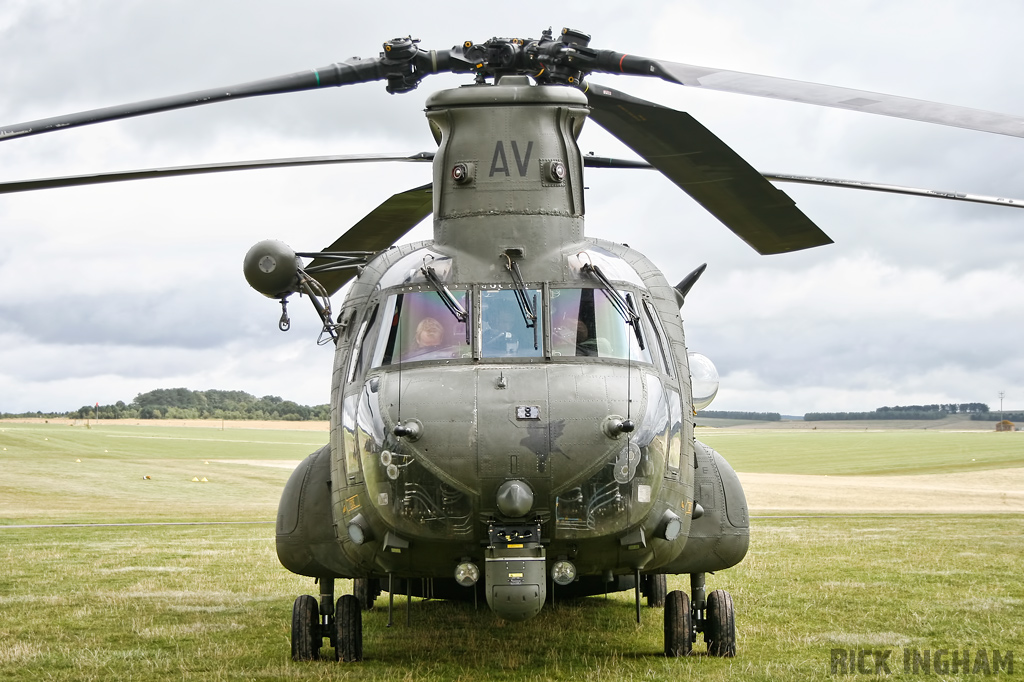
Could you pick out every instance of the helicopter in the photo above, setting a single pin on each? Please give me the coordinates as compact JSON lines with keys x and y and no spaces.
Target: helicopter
{"x":512,"y":403}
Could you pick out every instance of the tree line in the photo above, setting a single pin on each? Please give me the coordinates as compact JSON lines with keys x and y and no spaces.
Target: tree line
{"x":935,"y":411}
{"x":182,"y":403}
{"x":756,"y":416}
{"x":995,"y":416}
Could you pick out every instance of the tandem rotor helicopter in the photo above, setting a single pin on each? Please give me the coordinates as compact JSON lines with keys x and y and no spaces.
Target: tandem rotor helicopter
{"x":512,"y":404}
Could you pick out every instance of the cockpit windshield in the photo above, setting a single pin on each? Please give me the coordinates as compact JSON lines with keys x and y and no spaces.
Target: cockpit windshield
{"x":505,"y":330}
{"x":585,"y":323}
{"x":418,"y":326}
{"x":422,"y":328}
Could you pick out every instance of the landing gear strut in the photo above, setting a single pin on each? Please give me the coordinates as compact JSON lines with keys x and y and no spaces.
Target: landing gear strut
{"x":714,"y":616}
{"x":684,"y":618}
{"x":341,"y":622}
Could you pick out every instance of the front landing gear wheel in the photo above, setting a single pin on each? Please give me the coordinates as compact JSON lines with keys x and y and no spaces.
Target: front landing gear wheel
{"x":678,"y":625}
{"x":306,"y":635}
{"x":720,"y":626}
{"x":348,"y":623}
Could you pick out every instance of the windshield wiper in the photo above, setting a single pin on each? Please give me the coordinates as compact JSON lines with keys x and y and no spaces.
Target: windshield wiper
{"x":624,"y":307}
{"x":447,"y":297}
{"x":527,"y":307}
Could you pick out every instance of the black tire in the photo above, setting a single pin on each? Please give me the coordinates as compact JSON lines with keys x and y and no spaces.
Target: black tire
{"x":348,"y":623}
{"x":678,"y":625}
{"x":366,"y":591}
{"x":306,"y":635}
{"x":720,"y":626}
{"x":657,"y":588}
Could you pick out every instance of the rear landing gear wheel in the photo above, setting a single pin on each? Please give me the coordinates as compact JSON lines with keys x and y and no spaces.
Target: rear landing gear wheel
{"x":306,"y":635}
{"x":720,"y":625}
{"x":657,"y":587}
{"x":348,"y":623}
{"x":678,"y":625}
{"x":366,"y":591}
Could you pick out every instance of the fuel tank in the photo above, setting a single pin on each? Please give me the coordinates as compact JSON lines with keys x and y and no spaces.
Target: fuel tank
{"x":719,"y":538}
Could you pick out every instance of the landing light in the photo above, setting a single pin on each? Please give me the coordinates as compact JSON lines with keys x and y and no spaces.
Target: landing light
{"x":670,"y":526}
{"x":359,"y":530}
{"x":563,"y":572}
{"x":467,"y":573}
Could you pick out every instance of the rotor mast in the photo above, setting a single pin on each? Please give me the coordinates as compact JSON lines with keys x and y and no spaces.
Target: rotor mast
{"x":508,"y":174}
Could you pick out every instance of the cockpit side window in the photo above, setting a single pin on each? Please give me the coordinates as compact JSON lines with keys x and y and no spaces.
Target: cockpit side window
{"x":421,"y":328}
{"x":503,"y":330}
{"x":584,"y":323}
{"x":659,"y":337}
{"x":360,"y":353}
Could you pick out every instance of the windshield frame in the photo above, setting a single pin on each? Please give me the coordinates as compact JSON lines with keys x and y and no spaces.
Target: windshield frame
{"x":386,"y":339}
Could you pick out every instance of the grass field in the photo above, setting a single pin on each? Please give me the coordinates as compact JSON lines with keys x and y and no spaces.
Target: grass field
{"x":43,"y":480}
{"x":865,"y":452}
{"x":211,"y":602}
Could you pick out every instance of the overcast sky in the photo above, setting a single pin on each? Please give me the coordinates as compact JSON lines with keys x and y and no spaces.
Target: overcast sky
{"x":115,"y":290}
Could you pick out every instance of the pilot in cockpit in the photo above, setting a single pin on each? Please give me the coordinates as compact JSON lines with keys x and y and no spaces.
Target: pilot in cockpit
{"x":501,"y":335}
{"x":430,"y":342}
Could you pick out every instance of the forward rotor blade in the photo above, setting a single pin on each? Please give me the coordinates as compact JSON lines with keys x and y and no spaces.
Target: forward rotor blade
{"x":403,"y":68}
{"x":706,"y":168}
{"x":813,"y":93}
{"x":333,"y":75}
{"x":202,"y":169}
{"x":381,"y":228}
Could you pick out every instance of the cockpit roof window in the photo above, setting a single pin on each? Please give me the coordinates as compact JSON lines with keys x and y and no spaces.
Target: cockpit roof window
{"x":409,"y":269}
{"x":614,"y":267}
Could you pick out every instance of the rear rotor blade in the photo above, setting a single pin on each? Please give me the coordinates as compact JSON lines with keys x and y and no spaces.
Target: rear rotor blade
{"x":257,"y":164}
{"x":896,"y":189}
{"x":202,"y":169}
{"x":813,"y":93}
{"x":381,"y":228}
{"x":706,"y":168}
{"x":821,"y":181}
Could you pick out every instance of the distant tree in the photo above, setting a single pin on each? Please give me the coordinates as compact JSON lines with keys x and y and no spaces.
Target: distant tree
{"x":182,"y":403}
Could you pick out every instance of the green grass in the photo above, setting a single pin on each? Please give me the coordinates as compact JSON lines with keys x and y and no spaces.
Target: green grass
{"x":866,"y":452}
{"x":212,"y":602}
{"x":42,"y":480}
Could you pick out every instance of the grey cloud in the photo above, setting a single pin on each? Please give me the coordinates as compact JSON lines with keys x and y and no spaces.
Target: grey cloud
{"x":213,"y":329}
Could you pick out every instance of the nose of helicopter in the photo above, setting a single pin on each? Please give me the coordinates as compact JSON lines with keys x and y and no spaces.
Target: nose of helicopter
{"x":517,"y":439}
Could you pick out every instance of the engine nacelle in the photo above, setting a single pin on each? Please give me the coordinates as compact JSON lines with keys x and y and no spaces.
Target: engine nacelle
{"x":271,"y":268}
